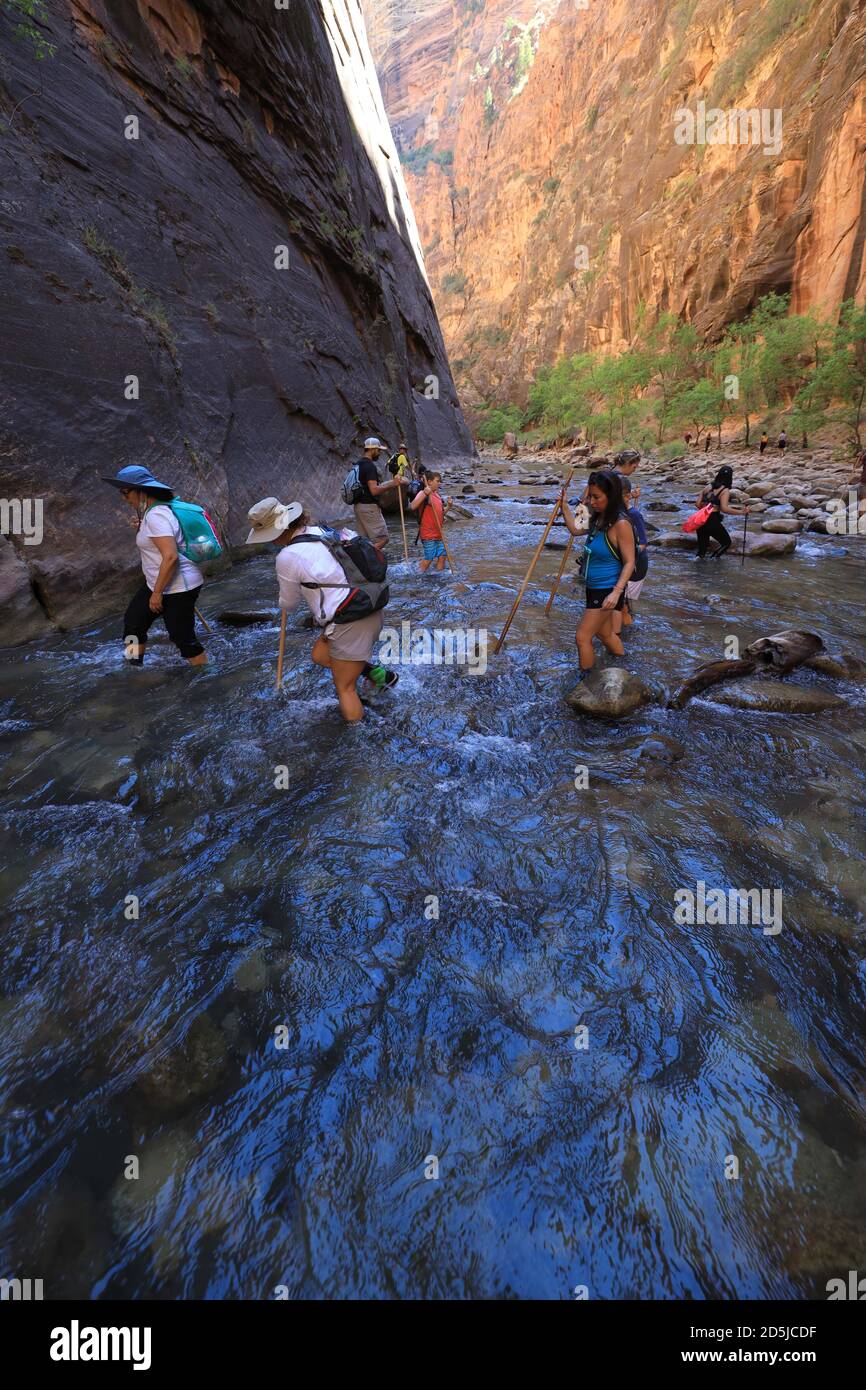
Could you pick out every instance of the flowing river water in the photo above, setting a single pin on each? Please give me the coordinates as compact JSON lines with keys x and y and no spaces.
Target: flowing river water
{"x":290,"y":1042}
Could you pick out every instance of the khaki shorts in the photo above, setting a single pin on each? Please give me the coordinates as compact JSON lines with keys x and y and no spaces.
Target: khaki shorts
{"x":371,"y":523}
{"x":354,"y":641}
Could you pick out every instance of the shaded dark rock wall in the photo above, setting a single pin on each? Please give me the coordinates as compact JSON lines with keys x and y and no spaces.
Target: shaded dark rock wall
{"x":155,"y":258}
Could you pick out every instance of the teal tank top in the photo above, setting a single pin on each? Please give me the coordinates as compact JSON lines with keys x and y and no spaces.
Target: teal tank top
{"x":603,"y":569}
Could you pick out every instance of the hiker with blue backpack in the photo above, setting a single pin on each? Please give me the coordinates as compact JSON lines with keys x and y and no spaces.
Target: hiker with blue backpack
{"x":362,"y":489}
{"x":606,"y":565}
{"x":342,"y":576}
{"x":173,"y":538}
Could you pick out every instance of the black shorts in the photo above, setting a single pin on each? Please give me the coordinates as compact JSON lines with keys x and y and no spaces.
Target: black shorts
{"x":595,"y":599}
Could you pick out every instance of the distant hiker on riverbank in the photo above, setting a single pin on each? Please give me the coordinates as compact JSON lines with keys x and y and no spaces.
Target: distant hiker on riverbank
{"x":431,"y":515}
{"x":765,"y":439}
{"x":606,"y":565}
{"x":718,"y":495}
{"x":641,"y":562}
{"x":783,"y":440}
{"x":312,"y":565}
{"x":362,"y":490}
{"x":172,"y":582}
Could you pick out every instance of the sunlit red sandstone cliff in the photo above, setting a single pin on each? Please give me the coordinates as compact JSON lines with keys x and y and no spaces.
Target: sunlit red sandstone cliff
{"x":566,"y":139}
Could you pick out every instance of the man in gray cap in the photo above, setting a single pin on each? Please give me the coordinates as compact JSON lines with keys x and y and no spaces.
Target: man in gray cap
{"x":368,"y":511}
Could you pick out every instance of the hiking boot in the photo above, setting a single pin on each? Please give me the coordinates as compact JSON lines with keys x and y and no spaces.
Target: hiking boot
{"x":381,"y":678}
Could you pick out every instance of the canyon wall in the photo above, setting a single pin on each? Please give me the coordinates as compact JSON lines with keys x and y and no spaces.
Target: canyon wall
{"x":554,"y":200}
{"x":209,"y":266}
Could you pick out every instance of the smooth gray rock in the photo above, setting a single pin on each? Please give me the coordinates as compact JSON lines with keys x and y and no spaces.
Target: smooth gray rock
{"x":783,"y":525}
{"x":609,"y":694}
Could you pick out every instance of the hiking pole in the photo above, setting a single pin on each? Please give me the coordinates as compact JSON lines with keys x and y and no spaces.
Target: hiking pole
{"x":558,"y":578}
{"x":282,"y":650}
{"x":745,"y":527}
{"x":402,"y":522}
{"x":205,"y":624}
{"x":534,"y":561}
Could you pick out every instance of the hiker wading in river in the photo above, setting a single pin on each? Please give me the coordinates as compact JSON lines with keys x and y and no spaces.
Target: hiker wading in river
{"x":368,"y":510}
{"x":172,"y":583}
{"x":431,"y":511}
{"x":718,"y":494}
{"x":605,"y":566}
{"x":308,"y":568}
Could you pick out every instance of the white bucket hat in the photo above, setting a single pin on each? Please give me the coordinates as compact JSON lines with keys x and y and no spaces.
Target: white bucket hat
{"x":373,"y":443}
{"x":270,"y":518}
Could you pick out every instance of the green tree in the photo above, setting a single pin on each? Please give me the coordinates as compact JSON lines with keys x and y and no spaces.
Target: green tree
{"x":842,"y":373}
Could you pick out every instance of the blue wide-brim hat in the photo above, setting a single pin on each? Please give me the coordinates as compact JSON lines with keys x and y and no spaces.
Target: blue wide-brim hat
{"x":134,"y":475}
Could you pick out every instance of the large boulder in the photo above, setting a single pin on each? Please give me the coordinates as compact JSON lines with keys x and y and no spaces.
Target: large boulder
{"x":783,"y":525}
{"x":609,"y":694}
{"x":776,"y":697}
{"x":767,"y":544}
{"x":23,"y":616}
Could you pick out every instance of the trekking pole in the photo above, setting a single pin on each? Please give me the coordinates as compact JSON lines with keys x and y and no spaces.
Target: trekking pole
{"x":402,"y":522}
{"x":534,"y":561}
{"x":558,"y":579}
{"x":282,"y":650}
{"x":205,"y":624}
{"x":745,"y":527}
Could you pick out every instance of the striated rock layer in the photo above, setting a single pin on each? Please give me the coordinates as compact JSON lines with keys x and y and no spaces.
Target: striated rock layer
{"x":156,"y":258}
{"x":559,"y":206}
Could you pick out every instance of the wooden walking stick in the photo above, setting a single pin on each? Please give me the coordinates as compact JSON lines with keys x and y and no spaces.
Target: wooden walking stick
{"x":402,"y":521}
{"x":534,"y":561}
{"x":205,"y":624}
{"x":558,"y":579}
{"x":282,"y":650}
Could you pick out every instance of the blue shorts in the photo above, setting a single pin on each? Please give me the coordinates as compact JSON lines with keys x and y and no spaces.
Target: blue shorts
{"x":433,"y":549}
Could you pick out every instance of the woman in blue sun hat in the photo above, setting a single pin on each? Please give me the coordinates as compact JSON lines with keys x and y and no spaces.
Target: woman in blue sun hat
{"x":172,"y":582}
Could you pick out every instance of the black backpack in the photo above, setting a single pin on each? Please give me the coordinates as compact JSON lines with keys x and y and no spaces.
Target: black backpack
{"x":365,"y":569}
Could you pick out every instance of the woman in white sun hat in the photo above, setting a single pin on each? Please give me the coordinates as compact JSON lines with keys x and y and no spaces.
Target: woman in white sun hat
{"x":307,"y":568}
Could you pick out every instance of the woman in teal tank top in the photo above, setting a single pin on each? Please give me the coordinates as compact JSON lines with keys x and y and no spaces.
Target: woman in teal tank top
{"x":608,"y":561}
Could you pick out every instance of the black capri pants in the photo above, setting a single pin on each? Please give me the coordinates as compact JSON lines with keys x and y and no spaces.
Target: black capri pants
{"x":178,"y":614}
{"x":713,"y":528}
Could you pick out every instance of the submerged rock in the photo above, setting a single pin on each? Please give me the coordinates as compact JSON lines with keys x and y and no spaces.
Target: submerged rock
{"x":609,"y":694}
{"x":777,"y":697}
{"x":189,"y":1071}
{"x":843,"y":665}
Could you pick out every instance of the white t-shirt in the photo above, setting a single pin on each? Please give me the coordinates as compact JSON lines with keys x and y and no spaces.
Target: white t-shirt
{"x":161,"y":521}
{"x":315,"y":564}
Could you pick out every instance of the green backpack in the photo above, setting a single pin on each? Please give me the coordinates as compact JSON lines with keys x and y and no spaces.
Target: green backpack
{"x":200,"y":541}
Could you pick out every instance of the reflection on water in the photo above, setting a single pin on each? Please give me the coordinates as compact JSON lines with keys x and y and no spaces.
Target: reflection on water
{"x":404,"y":1035}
